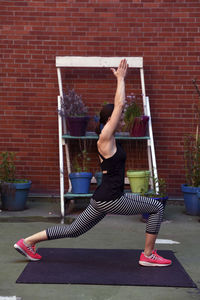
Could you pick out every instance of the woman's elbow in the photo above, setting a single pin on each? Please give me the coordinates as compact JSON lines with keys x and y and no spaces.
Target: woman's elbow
{"x":120,"y":105}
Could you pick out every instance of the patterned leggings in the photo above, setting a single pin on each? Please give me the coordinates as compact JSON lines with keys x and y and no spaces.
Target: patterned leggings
{"x":127,"y":204}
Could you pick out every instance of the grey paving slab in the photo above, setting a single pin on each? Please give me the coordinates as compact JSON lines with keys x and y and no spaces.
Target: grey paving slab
{"x":125,"y":232}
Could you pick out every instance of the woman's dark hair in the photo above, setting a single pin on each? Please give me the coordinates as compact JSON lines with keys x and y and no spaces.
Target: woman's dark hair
{"x":105,"y":113}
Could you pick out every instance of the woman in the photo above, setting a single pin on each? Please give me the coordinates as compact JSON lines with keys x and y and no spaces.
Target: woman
{"x":109,"y":197}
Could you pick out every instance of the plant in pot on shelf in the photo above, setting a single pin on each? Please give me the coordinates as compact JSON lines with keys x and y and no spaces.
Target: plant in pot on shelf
{"x":80,"y":177}
{"x":75,"y":112}
{"x":191,"y":190}
{"x":135,"y":122}
{"x":139,"y":181}
{"x":14,"y":192}
{"x":161,"y":196}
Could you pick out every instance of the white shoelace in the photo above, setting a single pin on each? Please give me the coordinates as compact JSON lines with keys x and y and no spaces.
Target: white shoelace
{"x":154,"y":255}
{"x":31,"y":248}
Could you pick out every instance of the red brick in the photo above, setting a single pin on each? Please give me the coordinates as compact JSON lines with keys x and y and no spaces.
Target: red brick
{"x":34,"y":32}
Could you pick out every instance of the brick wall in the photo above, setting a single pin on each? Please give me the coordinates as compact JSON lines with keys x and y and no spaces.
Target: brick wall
{"x":33,"y":33}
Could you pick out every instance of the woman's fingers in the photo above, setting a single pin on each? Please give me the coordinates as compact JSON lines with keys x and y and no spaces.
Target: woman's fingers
{"x":123,"y":65}
{"x":121,"y":70}
{"x":113,"y":70}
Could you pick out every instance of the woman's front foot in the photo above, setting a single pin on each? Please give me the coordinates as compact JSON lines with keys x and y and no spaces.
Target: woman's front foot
{"x":27,"y":250}
{"x":154,"y":260}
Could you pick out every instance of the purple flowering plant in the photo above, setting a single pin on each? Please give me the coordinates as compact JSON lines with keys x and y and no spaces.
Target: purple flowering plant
{"x":72,"y":105}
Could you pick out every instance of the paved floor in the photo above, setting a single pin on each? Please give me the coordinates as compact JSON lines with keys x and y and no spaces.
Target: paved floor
{"x":113,"y":232}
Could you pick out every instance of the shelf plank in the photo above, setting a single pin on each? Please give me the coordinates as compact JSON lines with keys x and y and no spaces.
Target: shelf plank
{"x":71,"y":195}
{"x":95,"y":137}
{"x":96,"y":61}
{"x":89,"y":195}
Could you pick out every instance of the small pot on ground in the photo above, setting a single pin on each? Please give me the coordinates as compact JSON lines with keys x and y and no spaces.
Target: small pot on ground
{"x":14,"y":192}
{"x":14,"y":195}
{"x":191,"y":190}
{"x":191,"y":197}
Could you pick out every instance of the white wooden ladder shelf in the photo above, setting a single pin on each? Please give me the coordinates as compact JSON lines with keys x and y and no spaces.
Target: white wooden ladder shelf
{"x":97,"y":62}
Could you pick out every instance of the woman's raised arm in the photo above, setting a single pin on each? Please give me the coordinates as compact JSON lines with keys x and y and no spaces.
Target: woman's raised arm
{"x":119,"y":101}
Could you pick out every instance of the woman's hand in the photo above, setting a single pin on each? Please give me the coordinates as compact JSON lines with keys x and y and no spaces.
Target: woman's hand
{"x":121,"y":70}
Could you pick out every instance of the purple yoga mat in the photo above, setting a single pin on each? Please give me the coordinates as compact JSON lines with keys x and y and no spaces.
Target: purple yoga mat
{"x":102,"y":267}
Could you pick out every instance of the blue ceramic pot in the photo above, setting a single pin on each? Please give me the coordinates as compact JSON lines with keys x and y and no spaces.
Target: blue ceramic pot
{"x":14,"y":195}
{"x":80,"y":182}
{"x":191,"y":197}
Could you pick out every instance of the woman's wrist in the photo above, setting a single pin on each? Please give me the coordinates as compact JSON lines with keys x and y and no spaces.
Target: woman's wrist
{"x":120,"y":78}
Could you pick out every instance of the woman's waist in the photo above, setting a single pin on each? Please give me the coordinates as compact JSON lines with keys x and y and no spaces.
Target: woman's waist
{"x":106,"y":192}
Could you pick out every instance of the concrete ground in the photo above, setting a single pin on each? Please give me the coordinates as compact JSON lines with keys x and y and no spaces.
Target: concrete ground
{"x":125,"y":232}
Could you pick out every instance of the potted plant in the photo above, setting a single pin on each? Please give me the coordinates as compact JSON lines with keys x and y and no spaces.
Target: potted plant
{"x":75,"y":112}
{"x":161,"y":196}
{"x":191,"y":190}
{"x":14,"y":192}
{"x":135,"y":122}
{"x":80,"y":177}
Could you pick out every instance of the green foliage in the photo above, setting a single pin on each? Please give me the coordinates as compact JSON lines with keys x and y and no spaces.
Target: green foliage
{"x":7,"y":167}
{"x":162,"y":186}
{"x":81,"y":162}
{"x":192,"y":149}
{"x":131,"y":111}
{"x":192,"y":160}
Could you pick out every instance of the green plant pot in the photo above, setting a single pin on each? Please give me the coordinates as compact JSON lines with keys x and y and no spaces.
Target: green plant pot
{"x":14,"y":195}
{"x":139,"y":181}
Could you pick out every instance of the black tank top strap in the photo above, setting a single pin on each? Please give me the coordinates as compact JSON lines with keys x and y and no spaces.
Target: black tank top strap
{"x":100,"y":155}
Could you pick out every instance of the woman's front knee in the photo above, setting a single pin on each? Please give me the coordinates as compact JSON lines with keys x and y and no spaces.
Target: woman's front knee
{"x":159,"y":205}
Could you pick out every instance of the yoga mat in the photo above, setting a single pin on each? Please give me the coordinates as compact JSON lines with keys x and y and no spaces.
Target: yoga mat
{"x":102,"y":267}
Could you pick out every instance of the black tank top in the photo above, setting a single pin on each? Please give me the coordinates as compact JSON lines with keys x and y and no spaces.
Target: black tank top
{"x":113,"y":168}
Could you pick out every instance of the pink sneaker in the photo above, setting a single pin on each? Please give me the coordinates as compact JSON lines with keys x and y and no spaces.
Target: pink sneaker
{"x":28,"y":251}
{"x":154,"y":260}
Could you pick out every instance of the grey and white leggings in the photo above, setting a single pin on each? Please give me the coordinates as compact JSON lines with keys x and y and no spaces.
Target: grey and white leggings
{"x":127,"y":204}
